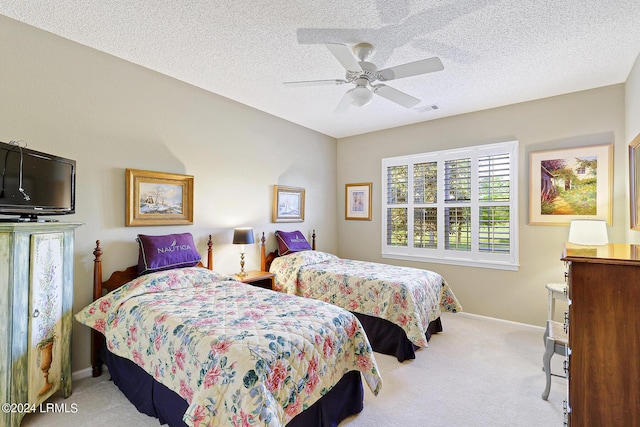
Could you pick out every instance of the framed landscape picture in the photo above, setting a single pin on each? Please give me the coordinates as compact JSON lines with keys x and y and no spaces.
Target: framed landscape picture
{"x":571,"y":183}
{"x":158,"y":198}
{"x":357,"y":204}
{"x":288,"y":204}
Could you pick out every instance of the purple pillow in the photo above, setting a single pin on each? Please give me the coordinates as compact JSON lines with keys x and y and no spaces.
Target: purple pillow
{"x":164,"y":252}
{"x":289,"y":242}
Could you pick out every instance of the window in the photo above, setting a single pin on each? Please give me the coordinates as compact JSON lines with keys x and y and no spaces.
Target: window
{"x":454,"y":206}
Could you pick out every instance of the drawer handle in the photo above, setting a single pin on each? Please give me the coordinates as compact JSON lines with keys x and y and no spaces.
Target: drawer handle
{"x":36,"y":313}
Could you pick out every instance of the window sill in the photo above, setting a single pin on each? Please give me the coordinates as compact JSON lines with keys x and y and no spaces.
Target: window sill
{"x":457,"y":261}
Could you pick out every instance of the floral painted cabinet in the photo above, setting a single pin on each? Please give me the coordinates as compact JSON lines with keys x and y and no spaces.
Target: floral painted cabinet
{"x":45,"y":308}
{"x":36,"y":297}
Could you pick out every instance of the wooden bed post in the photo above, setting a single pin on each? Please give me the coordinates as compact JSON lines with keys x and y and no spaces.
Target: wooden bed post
{"x":97,"y":269}
{"x":263,"y":254}
{"x":97,"y":339}
{"x":313,"y":239}
{"x":210,"y":253}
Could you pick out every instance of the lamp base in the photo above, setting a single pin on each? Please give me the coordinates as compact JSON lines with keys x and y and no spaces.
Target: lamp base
{"x":242,"y":272}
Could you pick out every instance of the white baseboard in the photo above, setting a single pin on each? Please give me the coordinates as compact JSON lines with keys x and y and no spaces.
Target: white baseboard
{"x":495,"y":319}
{"x":86,"y":373}
{"x":83,"y":373}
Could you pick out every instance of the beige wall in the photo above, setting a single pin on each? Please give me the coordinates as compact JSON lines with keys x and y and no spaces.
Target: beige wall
{"x":108,"y":115}
{"x":584,"y":118}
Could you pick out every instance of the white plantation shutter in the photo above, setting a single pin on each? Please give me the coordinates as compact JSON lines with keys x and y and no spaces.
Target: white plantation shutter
{"x":457,"y":211}
{"x":396,"y":230}
{"x":425,"y":227}
{"x":457,"y":222}
{"x":494,"y":196}
{"x":494,"y":235}
{"x":457,"y":180}
{"x":454,"y":206}
{"x":397,"y":186}
{"x":425,"y":212}
{"x":494,"y":177}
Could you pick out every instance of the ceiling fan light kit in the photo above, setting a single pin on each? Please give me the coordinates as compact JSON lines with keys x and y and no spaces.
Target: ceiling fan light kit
{"x":360,"y":96}
{"x":364,"y":74}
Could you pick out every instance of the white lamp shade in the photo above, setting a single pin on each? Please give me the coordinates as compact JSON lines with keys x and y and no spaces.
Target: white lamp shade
{"x":588,"y":232}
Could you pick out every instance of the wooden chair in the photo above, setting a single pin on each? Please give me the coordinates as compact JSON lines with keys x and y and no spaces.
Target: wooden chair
{"x":556,"y":342}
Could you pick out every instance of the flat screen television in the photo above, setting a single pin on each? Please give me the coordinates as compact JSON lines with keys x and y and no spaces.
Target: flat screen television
{"x":34,"y":183}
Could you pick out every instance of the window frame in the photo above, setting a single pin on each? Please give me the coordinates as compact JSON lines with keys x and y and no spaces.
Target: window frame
{"x":473,"y":257}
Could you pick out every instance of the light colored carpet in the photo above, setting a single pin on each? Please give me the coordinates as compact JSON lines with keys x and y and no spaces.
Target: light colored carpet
{"x":478,"y":372}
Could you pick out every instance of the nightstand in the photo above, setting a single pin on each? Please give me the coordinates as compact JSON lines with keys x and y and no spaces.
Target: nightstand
{"x":262,"y":279}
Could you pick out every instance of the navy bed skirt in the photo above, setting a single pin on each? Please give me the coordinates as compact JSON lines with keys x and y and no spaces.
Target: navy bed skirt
{"x":152,"y":398}
{"x":388,"y":338}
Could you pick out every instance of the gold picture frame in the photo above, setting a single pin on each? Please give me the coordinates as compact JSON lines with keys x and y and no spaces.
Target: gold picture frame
{"x":571,"y":183}
{"x":634,"y":182}
{"x":357,"y":201}
{"x":158,"y":198}
{"x":288,"y":204}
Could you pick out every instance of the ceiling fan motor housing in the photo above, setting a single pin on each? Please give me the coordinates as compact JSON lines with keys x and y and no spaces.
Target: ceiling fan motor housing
{"x":369,"y":72}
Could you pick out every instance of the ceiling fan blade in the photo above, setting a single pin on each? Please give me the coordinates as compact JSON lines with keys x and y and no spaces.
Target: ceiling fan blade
{"x":423,"y":66}
{"x":394,"y":95}
{"x":344,"y":56}
{"x":344,"y":103}
{"x":315,"y":83}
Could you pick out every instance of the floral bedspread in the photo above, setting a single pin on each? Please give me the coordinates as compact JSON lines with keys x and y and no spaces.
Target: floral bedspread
{"x":408,"y":297}
{"x":239,"y":355}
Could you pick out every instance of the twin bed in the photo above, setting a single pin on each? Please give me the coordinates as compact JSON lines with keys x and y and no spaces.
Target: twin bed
{"x":399,"y":307}
{"x":193,"y":347}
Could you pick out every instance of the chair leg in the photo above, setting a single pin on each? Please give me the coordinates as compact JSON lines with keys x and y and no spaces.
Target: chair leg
{"x":546,"y":366}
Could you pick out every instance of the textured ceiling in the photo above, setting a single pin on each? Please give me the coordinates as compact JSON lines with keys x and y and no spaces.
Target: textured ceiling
{"x":495,"y":52}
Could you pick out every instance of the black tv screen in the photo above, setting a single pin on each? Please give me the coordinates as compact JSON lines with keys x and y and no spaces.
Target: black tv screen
{"x":34,"y":183}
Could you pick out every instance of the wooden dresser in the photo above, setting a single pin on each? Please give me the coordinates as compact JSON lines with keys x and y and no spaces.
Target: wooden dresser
{"x":36,"y":303}
{"x":604,"y":335}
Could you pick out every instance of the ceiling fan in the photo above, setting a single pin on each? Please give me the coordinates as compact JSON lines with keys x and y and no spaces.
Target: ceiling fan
{"x":364,"y":74}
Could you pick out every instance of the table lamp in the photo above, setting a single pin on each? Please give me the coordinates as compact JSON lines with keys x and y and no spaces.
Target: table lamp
{"x":242,"y":236}
{"x":588,"y":232}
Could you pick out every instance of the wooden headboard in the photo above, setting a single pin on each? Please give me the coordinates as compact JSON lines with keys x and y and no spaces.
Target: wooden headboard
{"x":117,"y":279}
{"x":267,"y":258}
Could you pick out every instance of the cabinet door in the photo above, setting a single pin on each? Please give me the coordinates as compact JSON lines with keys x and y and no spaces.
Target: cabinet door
{"x":45,"y":316}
